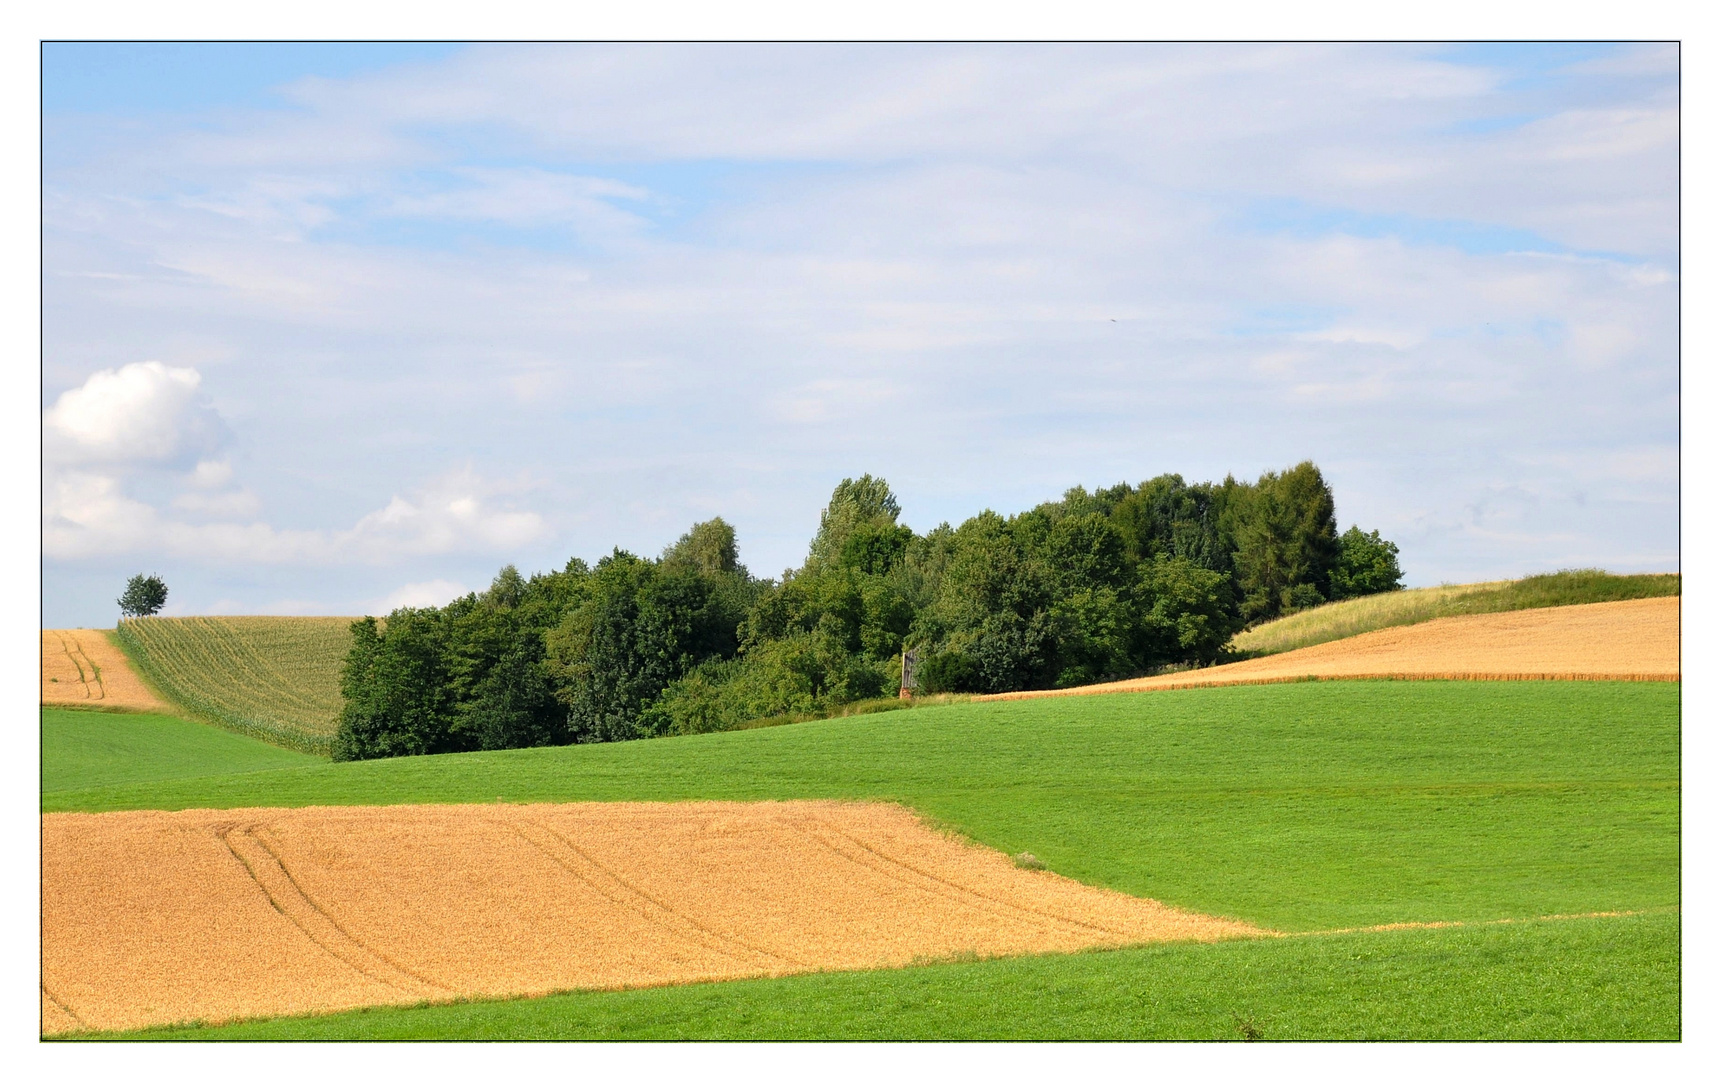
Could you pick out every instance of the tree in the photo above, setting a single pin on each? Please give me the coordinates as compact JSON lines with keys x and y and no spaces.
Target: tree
{"x":142,"y":596}
{"x":1367,"y":565}
{"x":641,"y":626}
{"x":395,"y":683}
{"x":708,"y":545}
{"x":1286,"y":544}
{"x":854,"y":503}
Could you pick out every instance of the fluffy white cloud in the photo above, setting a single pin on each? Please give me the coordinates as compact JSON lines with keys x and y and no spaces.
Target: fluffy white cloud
{"x":89,"y":515}
{"x":144,"y":413}
{"x":145,"y":418}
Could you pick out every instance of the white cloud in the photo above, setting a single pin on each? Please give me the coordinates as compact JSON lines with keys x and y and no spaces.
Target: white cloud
{"x":212,"y":474}
{"x":88,"y":514}
{"x":418,"y":594}
{"x":144,"y":413}
{"x":451,"y":514}
{"x":222,"y":504}
{"x":987,"y":272}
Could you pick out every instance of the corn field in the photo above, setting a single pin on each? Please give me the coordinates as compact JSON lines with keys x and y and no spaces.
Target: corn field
{"x":272,"y":678}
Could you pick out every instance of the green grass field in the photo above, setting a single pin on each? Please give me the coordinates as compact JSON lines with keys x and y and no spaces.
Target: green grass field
{"x":272,"y":678}
{"x":84,"y":749}
{"x":1576,"y":979}
{"x":1300,"y":807}
{"x":1332,"y":622}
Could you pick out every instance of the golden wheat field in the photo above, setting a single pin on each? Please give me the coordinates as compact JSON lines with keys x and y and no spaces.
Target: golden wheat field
{"x":273,"y":677}
{"x":153,"y":917}
{"x":1627,"y":639}
{"x":82,"y":667}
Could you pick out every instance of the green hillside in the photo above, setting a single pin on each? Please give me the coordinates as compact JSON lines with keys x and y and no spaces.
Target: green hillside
{"x":1302,"y":807}
{"x":83,"y":749}
{"x":1299,"y":806}
{"x":273,"y":678}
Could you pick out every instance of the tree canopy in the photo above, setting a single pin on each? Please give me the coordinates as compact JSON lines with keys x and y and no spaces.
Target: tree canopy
{"x":142,"y":596}
{"x":1090,"y":587}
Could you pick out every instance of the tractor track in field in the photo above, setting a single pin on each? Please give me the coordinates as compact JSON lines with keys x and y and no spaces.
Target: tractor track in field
{"x":283,"y":892}
{"x":153,"y":917}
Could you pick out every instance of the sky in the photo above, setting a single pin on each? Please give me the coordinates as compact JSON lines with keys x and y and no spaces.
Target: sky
{"x":328,"y":328}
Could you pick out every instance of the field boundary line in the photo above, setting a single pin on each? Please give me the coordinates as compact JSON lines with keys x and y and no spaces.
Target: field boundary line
{"x":1457,"y":923}
{"x":914,"y":877}
{"x":968,"y":895}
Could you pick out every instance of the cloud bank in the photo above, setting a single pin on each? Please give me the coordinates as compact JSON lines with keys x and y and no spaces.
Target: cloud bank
{"x":655,"y":283}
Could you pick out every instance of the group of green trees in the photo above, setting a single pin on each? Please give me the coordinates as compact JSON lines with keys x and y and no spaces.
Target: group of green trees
{"x":1095,"y":586}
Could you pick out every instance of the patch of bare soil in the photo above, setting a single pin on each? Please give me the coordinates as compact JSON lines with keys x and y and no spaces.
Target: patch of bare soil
{"x":1626,"y":640}
{"x":82,"y":667}
{"x":151,"y":917}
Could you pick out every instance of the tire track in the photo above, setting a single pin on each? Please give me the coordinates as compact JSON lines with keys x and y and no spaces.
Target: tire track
{"x":726,"y":942}
{"x":73,"y":651}
{"x":438,"y":902}
{"x":291,"y":899}
{"x":77,"y":1021}
{"x":952,"y":890}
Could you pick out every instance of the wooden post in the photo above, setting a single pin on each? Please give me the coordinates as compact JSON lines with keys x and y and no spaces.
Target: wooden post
{"x":909,"y":673}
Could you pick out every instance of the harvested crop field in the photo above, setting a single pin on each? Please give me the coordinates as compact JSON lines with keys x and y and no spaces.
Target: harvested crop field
{"x":1627,"y":639}
{"x":153,"y":918}
{"x":82,"y":667}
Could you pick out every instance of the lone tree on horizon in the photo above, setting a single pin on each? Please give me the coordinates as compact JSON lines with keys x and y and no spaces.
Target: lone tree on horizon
{"x":142,"y":596}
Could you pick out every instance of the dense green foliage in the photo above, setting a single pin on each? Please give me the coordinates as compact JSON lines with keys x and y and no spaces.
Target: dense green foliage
{"x":1605,"y":979}
{"x":1366,"y":565}
{"x":275,"y":678}
{"x":1347,"y":618}
{"x":574,"y":656}
{"x":83,"y":748}
{"x":1090,"y":587}
{"x":1298,"y":806}
{"x":142,"y":596}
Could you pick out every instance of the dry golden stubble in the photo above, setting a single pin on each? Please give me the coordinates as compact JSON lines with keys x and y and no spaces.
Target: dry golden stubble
{"x":152,"y":917}
{"x":82,"y":667}
{"x":1622,"y":640}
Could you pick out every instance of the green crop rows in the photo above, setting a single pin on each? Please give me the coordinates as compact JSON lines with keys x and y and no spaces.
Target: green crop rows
{"x":276,"y":679}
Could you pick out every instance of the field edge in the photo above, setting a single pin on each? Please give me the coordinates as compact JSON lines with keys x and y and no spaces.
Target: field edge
{"x":868,"y":986}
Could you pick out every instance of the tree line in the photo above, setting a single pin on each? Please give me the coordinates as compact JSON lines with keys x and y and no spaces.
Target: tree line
{"x":1095,"y":586}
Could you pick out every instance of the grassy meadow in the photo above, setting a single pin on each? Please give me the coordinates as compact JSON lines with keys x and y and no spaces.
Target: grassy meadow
{"x":1346,"y":618}
{"x":1309,"y":808}
{"x":273,"y":678}
{"x":83,"y":749}
{"x":1299,"y":806}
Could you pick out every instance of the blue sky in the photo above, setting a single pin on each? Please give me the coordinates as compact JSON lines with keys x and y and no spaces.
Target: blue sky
{"x":333,"y":327}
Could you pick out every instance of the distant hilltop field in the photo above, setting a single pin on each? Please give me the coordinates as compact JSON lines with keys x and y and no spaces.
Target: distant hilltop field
{"x":275,"y":678}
